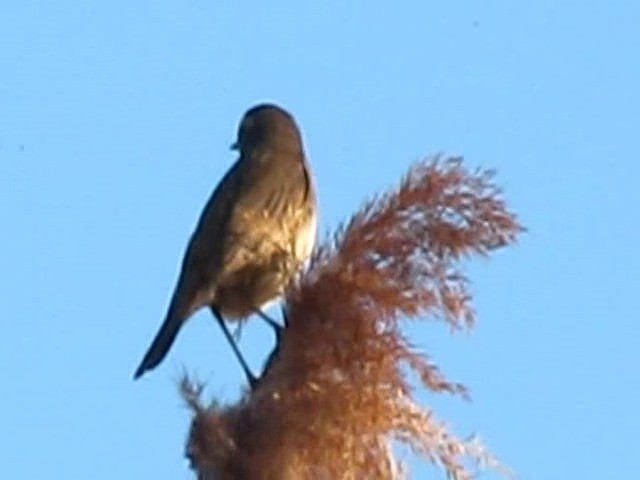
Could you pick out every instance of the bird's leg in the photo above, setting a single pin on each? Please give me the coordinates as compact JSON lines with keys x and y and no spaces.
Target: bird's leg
{"x":270,"y":321}
{"x":285,"y":315}
{"x":237,"y":333}
{"x":245,"y":367}
{"x":271,"y":358}
{"x":276,"y":348}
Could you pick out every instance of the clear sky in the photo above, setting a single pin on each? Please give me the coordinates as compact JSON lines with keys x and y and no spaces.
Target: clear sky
{"x":115,"y":122}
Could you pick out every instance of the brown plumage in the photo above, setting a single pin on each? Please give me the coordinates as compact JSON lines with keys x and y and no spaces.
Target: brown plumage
{"x":255,"y":232}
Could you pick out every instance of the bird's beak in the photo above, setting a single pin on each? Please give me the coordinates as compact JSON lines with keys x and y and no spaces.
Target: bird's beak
{"x":235,"y":146}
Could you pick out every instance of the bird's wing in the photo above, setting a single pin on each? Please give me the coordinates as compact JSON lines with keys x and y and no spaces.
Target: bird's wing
{"x":267,"y":193}
{"x":201,"y":261}
{"x":204,"y":256}
{"x":248,"y":216}
{"x":272,"y":195}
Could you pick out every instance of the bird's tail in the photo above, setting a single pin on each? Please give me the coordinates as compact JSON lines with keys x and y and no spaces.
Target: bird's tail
{"x":161,"y":343}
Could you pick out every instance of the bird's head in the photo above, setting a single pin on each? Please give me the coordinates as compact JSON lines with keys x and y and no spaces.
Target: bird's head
{"x":267,"y":126}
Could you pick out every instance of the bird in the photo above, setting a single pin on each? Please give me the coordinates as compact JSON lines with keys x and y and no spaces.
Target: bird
{"x":255,"y":233}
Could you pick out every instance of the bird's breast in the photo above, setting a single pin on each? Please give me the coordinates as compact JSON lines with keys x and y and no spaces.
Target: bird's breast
{"x":306,"y":238}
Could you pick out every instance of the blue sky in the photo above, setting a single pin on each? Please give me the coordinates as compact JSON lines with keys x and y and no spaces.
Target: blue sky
{"x":115,"y":122}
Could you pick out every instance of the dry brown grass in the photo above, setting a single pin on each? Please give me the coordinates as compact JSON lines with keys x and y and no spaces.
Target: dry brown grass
{"x":335,"y":394}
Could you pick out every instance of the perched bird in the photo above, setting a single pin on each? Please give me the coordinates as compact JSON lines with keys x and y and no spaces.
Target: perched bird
{"x":256,"y":231}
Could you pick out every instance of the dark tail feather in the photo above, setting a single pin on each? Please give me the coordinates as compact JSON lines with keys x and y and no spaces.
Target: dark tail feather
{"x":161,"y":344}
